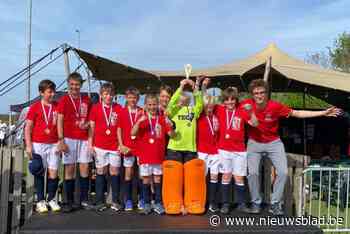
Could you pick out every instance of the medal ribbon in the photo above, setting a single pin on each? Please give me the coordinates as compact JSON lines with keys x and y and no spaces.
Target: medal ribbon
{"x":77,"y":113}
{"x":211,"y":126}
{"x":229,"y":121}
{"x":130,"y":116}
{"x":150,"y":124}
{"x":46,"y":117}
{"x":108,"y":120}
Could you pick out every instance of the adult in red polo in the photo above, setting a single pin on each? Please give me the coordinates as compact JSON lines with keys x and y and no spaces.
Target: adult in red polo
{"x":72,"y":127}
{"x":265,"y":139}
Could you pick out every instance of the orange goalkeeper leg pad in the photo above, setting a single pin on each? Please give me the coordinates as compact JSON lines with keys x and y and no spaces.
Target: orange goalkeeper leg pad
{"x":195,"y":186}
{"x":172,"y":191}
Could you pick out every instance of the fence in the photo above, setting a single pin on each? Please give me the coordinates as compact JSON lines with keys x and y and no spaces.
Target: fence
{"x":325,"y":195}
{"x":17,"y":187}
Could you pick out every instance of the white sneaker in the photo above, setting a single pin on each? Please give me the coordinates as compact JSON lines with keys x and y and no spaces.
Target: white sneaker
{"x":41,"y":207}
{"x":54,"y":205}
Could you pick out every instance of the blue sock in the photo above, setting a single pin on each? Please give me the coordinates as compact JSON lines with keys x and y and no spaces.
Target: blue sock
{"x":212,"y":191}
{"x":128,"y":190}
{"x":146,"y":190}
{"x":225,"y":193}
{"x":100,"y":184}
{"x":140,"y":189}
{"x":115,"y":182}
{"x":84,"y":189}
{"x":39,"y":186}
{"x":158,"y":192}
{"x":52,"y":185}
{"x":68,"y":186}
{"x":240,"y":193}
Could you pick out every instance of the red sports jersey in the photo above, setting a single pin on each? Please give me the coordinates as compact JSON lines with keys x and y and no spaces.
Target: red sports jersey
{"x":73,"y":114}
{"x":268,"y":118}
{"x":127,"y":120}
{"x":153,"y":146}
{"x":207,"y":134}
{"x":231,"y":129}
{"x":39,"y":132}
{"x":105,"y":137}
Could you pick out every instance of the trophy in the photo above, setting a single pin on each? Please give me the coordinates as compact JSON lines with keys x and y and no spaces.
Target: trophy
{"x":188,"y":69}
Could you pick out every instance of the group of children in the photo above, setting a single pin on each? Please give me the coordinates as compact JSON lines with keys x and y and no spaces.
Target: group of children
{"x":167,"y":128}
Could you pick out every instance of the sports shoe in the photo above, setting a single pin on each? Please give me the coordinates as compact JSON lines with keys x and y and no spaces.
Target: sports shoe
{"x":54,"y":205}
{"x":146,"y":209}
{"x":67,"y":208}
{"x":41,"y":207}
{"x":141,"y":204}
{"x":86,"y":205}
{"x":158,"y":208}
{"x":276,"y":209}
{"x":242,"y":207}
{"x":116,"y":206}
{"x":128,"y":205}
{"x":213,"y":207}
{"x":100,"y":207}
{"x":255,"y":208}
{"x":225,"y":209}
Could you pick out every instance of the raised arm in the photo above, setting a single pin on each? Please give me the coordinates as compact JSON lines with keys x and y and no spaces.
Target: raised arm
{"x":173,"y":103}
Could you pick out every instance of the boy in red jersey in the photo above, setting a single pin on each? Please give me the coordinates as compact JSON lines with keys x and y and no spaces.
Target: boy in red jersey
{"x":264,"y":138}
{"x":231,"y":147}
{"x":72,"y":127}
{"x":104,"y":121}
{"x":128,"y":144}
{"x":207,"y":136}
{"x":165,"y":93}
{"x":41,"y":139}
{"x":152,"y":130}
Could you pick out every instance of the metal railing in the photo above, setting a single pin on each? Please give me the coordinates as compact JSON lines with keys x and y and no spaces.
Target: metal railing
{"x":324,"y":194}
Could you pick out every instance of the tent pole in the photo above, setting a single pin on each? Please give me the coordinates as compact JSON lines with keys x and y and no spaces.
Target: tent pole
{"x":89,"y":82}
{"x":304,"y":130}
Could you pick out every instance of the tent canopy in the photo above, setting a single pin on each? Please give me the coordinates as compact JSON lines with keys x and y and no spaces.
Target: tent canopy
{"x":287,"y":74}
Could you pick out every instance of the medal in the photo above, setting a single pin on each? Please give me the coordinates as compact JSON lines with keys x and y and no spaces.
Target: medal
{"x":77,"y":122}
{"x":133,"y":137}
{"x":227,"y":136}
{"x":189,"y":124}
{"x":151,"y":140}
{"x":46,"y":118}
{"x":107,"y":119}
{"x":132,"y":121}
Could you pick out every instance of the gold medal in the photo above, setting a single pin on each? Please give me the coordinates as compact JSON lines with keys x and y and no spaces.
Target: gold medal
{"x":189,"y":124}
{"x":108,"y":131}
{"x":151,"y":140}
{"x":227,"y":136}
{"x":133,"y":137}
{"x":47,"y":131}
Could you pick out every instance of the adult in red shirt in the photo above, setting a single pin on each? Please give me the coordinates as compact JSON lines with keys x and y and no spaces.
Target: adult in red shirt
{"x":152,"y":129}
{"x":72,"y":127}
{"x":41,"y":139}
{"x":104,"y":121}
{"x":264,"y":138}
{"x":129,"y":144}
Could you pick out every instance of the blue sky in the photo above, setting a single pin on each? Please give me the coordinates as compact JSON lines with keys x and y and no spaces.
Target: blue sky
{"x":164,"y":34}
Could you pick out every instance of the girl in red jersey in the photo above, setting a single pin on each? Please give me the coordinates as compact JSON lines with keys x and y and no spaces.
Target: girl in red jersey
{"x":104,"y":121}
{"x":41,"y":139}
{"x":152,"y":129}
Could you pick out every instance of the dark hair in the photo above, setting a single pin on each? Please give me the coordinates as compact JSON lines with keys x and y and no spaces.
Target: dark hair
{"x":230,"y":92}
{"x":46,"y":84}
{"x":258,"y":83}
{"x":132,"y":90}
{"x":150,"y":96}
{"x":108,"y":86}
{"x":75,"y":76}
{"x":166,"y":88}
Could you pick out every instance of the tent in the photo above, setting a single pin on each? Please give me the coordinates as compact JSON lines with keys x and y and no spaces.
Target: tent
{"x":287,"y":74}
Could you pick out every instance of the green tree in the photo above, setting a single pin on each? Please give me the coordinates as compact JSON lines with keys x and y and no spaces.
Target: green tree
{"x":340,"y":53}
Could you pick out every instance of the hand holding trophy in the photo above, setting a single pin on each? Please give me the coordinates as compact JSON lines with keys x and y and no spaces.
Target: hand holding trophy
{"x":188,"y":70}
